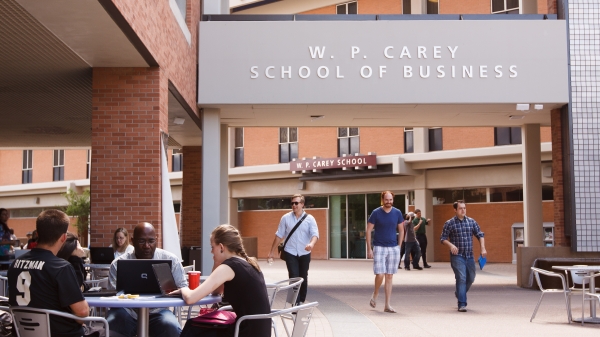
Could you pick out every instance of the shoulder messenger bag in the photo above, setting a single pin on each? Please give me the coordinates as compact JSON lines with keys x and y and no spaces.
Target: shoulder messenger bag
{"x":282,"y":245}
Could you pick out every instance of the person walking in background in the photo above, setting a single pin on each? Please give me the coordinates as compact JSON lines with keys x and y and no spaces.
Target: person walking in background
{"x":4,"y":235}
{"x":120,"y":242}
{"x":299,"y":244}
{"x":411,"y":243}
{"x":387,"y":223}
{"x":421,"y":232}
{"x":457,"y":234}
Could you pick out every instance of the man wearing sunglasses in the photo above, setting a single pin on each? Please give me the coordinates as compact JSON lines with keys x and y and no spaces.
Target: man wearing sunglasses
{"x":299,"y":244}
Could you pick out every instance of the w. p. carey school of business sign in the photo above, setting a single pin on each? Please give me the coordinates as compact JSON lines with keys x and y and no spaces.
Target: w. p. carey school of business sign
{"x":382,"y":62}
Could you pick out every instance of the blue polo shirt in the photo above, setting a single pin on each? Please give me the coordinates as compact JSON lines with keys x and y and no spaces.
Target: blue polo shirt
{"x":386,"y":225}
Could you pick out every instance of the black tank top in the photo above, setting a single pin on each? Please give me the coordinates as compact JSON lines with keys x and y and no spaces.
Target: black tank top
{"x":247,"y":294}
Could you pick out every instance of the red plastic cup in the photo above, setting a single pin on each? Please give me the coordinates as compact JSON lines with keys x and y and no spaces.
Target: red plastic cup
{"x":194,"y":279}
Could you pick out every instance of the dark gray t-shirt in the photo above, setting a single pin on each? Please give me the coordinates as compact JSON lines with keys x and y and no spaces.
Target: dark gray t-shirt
{"x":409,"y":229}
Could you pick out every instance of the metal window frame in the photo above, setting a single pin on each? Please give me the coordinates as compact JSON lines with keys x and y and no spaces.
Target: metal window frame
{"x":345,"y":4}
{"x":498,"y":12}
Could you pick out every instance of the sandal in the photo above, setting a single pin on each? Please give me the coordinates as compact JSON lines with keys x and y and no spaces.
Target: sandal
{"x":390,"y":310}
{"x":372,"y":303}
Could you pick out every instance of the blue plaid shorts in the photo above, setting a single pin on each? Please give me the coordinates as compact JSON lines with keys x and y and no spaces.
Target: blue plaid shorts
{"x":386,"y":260}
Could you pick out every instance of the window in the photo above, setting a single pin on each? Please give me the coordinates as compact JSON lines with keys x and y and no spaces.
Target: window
{"x":58,"y":171}
{"x":88,"y":167}
{"x":348,"y":8}
{"x":239,"y":147}
{"x":408,"y":140}
{"x":503,"y":194}
{"x":253,"y":204}
{"x":432,"y":6}
{"x":27,"y":176}
{"x":505,"y":6}
{"x":468,"y":195}
{"x":435,"y":139}
{"x":348,"y":141}
{"x":507,"y":136}
{"x":288,"y":144}
{"x":177,"y":157}
{"x":406,"y":7}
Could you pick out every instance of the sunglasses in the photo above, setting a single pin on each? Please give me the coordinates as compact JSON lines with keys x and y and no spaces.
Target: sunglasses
{"x":296,"y":203}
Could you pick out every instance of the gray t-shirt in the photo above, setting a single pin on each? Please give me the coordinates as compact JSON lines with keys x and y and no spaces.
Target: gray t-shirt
{"x":409,"y":229}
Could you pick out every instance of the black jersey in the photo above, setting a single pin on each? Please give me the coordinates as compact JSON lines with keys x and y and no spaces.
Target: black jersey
{"x":39,"y":279}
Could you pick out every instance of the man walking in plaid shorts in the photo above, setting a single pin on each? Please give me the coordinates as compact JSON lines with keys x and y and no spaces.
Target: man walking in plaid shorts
{"x":458,"y":234}
{"x":387,"y":222}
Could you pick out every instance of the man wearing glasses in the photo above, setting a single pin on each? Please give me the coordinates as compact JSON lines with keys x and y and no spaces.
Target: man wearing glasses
{"x":123,"y":321}
{"x":299,"y":244}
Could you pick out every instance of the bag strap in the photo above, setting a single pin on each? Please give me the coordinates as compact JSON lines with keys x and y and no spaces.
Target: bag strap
{"x":294,"y":229}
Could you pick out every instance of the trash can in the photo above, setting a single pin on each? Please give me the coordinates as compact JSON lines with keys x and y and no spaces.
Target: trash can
{"x":195,"y":257}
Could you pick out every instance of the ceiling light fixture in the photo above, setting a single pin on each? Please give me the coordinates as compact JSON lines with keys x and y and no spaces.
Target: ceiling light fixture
{"x":315,"y":117}
{"x":515,"y":117}
{"x":178,"y":121}
{"x":523,"y":107}
{"x":538,"y":106}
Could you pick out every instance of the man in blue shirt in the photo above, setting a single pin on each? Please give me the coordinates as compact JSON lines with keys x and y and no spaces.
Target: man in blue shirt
{"x":458,"y":234}
{"x":387,"y":222}
{"x":299,"y":245}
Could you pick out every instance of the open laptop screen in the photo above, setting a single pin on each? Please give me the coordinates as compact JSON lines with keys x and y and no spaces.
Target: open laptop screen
{"x":102,"y":255}
{"x":137,"y":276}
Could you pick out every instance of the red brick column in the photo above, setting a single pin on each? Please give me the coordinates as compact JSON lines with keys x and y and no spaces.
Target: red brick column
{"x":191,"y":197}
{"x":130,"y":109}
{"x":557,"y":181}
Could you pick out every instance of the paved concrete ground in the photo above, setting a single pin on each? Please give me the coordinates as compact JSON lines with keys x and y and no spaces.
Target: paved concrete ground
{"x":426,"y":305}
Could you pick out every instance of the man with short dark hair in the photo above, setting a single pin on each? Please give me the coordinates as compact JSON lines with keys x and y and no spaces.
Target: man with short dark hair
{"x":458,"y":234}
{"x":123,"y":321}
{"x":39,"y":279}
{"x":420,"y":223}
{"x":300,"y":244}
{"x":387,"y":221}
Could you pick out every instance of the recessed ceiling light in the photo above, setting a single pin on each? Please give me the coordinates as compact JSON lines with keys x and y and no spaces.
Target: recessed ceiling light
{"x":516,"y":117}
{"x":178,"y":121}
{"x":538,"y":106}
{"x":315,"y":117}
{"x":523,"y":107}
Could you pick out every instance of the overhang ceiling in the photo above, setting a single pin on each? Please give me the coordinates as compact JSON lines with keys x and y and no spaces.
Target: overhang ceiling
{"x":383,"y":115}
{"x":48,"y":49}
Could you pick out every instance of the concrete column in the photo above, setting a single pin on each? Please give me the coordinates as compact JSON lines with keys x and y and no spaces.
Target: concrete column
{"x":418,"y":6}
{"x":424,"y":202}
{"x":420,"y":140}
{"x":224,"y":209}
{"x":211,"y":182}
{"x":532,"y":185}
{"x":129,"y":114}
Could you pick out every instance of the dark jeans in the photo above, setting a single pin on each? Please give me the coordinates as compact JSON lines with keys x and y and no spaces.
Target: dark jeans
{"x":297,"y":266}
{"x":422,"y":238}
{"x":464,"y":274}
{"x":410,"y":248}
{"x":161,"y":324}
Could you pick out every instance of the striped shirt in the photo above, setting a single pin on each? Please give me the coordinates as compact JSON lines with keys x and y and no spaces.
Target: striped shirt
{"x":460,"y":232}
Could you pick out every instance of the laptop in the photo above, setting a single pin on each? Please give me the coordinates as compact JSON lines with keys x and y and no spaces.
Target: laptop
{"x":137,"y":276}
{"x":20,"y":252}
{"x":102,"y":255}
{"x":165,"y":279}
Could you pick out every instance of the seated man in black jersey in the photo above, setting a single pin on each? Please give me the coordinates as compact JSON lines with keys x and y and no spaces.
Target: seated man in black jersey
{"x":39,"y":279}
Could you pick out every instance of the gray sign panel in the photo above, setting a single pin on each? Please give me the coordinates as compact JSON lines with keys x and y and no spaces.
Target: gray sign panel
{"x":383,"y":62}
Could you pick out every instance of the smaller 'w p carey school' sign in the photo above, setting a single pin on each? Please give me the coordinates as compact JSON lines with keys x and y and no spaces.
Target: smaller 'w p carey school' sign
{"x":314,"y":164}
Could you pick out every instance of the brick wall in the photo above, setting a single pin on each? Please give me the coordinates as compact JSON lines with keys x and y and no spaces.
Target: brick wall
{"x":557,"y":181}
{"x":467,"y":138}
{"x":465,"y":7}
{"x":382,"y":141}
{"x":545,"y":134}
{"x":24,"y":225}
{"x":191,"y":195}
{"x":75,"y":164}
{"x":320,"y":142}
{"x":261,"y":146}
{"x":130,"y":109}
{"x":43,"y":161}
{"x":155,"y":24}
{"x":263,"y":225}
{"x":495,"y":220}
{"x":11,"y":162}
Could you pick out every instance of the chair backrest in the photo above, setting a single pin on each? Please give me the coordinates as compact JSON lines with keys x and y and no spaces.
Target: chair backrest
{"x":538,"y":271}
{"x":303,"y":315}
{"x":3,"y":286}
{"x":272,"y":290}
{"x":578,"y":276}
{"x":31,"y":323}
{"x":292,"y":286}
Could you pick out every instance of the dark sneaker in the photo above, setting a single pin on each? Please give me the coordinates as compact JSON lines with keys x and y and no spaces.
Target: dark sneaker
{"x":426,"y":266}
{"x":462,"y":308}
{"x":417,"y":268}
{"x":407,"y":268}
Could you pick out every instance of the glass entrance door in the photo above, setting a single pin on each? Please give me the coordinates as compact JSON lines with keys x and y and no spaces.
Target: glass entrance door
{"x":348,"y":216}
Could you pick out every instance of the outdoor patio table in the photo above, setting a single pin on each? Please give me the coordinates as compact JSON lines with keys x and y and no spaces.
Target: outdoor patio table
{"x":143,"y":303}
{"x":590,"y":270}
